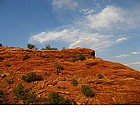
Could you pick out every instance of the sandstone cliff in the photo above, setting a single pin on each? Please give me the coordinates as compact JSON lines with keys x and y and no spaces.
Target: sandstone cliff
{"x":111,"y":83}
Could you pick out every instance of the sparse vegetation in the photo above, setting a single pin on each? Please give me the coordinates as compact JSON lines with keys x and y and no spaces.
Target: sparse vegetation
{"x":31,"y":46}
{"x":48,"y":47}
{"x":56,"y":99}
{"x":19,"y":91}
{"x":87,"y":91}
{"x":9,"y":81}
{"x":2,"y":94}
{"x":30,"y":77}
{"x":87,"y":82}
{"x":31,"y":97}
{"x":81,"y":57}
{"x":3,"y":97}
{"x":23,"y":94}
{"x":89,"y":56}
{"x":74,"y":82}
{"x":76,"y":57}
{"x":100,"y":76}
{"x":58,"y":67}
{"x":58,"y":87}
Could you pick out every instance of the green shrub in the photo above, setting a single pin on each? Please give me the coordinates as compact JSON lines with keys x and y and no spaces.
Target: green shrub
{"x":58,"y":67}
{"x":2,"y":94}
{"x":100,"y":76}
{"x":3,"y":97}
{"x":9,"y":81}
{"x":23,"y":94}
{"x":58,"y":87}
{"x":81,"y":57}
{"x":24,"y":77}
{"x":56,"y":99}
{"x":87,"y":91}
{"x":74,"y":82}
{"x":48,"y":47}
{"x":30,"y":77}
{"x":31,"y":46}
{"x":19,"y":91}
{"x":31,"y":97}
{"x":89,"y":56}
{"x":76,"y":57}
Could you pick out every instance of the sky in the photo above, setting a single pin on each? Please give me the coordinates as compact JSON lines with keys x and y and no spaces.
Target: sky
{"x":110,"y":27}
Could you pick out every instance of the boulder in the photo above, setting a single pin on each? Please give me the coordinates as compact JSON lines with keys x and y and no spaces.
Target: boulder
{"x":3,"y":75}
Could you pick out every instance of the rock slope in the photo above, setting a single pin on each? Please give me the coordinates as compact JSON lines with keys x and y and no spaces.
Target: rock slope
{"x":112,"y":83}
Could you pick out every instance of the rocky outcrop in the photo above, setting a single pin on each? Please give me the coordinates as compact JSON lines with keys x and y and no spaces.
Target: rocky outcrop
{"x":112,"y":83}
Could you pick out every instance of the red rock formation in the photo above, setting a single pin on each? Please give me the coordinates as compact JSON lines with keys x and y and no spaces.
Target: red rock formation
{"x":112,"y":83}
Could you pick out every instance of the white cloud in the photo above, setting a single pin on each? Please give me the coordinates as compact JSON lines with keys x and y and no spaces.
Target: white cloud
{"x":82,"y":32}
{"x":94,"y":41}
{"x":134,"y":63}
{"x":70,"y":4}
{"x":105,"y":19}
{"x":121,"y":39}
{"x":68,"y":35}
{"x":75,"y":38}
{"x":84,"y":41}
{"x":126,"y":55}
{"x":87,"y":11}
{"x":109,"y":17}
{"x":135,"y":53}
{"x":121,"y":56}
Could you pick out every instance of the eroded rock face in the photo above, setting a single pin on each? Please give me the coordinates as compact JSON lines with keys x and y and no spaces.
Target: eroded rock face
{"x":112,"y":83}
{"x":3,"y":75}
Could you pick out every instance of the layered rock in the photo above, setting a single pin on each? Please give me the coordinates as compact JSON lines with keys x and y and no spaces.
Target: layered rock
{"x":112,"y":83}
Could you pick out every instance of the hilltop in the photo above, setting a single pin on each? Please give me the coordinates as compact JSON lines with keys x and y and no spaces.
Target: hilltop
{"x":73,"y":76}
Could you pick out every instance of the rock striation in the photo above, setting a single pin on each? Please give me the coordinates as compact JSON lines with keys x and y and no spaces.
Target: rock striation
{"x":112,"y":83}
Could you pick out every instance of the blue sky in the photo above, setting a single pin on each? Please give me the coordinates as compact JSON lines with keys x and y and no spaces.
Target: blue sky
{"x":110,"y":27}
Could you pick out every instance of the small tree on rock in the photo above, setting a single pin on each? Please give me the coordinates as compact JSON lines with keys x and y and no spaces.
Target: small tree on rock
{"x":48,"y":47}
{"x":31,"y":46}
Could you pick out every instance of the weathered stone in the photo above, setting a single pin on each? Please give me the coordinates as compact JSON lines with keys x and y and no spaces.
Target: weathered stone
{"x":120,"y":82}
{"x":3,"y":75}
